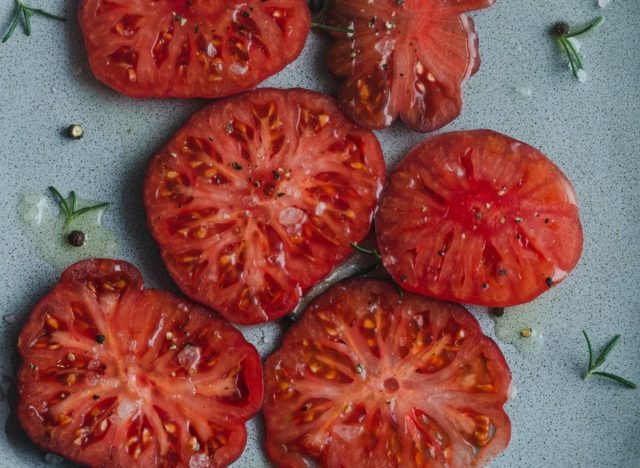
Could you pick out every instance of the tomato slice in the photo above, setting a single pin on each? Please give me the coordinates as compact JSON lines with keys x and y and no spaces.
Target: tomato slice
{"x":191,"y":48}
{"x":405,"y":59}
{"x":480,"y":218}
{"x":117,"y":376}
{"x":258,"y":197}
{"x":369,"y":378}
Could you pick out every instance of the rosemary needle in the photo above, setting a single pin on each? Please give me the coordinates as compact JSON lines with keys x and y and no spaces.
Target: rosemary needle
{"x":22,"y":13}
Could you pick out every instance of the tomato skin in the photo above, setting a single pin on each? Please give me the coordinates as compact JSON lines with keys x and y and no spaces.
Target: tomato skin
{"x":259,"y":196}
{"x":98,"y":369}
{"x":369,"y":378}
{"x":479,"y":218}
{"x":190,"y":49}
{"x":406,"y":60}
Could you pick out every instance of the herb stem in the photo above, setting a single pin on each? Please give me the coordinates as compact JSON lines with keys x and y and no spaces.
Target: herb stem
{"x":328,"y":27}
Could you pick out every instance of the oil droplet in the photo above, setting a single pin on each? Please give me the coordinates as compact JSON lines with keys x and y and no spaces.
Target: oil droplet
{"x":45,"y":225}
{"x":523,"y":327}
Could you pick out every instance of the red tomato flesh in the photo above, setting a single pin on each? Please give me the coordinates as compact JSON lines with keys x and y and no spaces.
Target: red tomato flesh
{"x":117,"y":376}
{"x":259,"y":197}
{"x":480,"y":218}
{"x":405,"y":59}
{"x":191,"y":48}
{"x":369,"y":378}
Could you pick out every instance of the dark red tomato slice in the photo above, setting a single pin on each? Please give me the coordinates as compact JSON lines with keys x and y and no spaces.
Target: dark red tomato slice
{"x":117,"y":376}
{"x":191,"y":48}
{"x":371,"y":379}
{"x":479,"y":218}
{"x":405,"y":59}
{"x":258,"y":197}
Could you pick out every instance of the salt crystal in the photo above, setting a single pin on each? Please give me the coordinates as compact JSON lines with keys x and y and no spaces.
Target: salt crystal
{"x":290,"y":216}
{"x":127,"y":408}
{"x":199,"y":460}
{"x":582,"y":76}
{"x":10,"y":318}
{"x":524,"y":91}
{"x":604,"y":3}
{"x":189,"y":357}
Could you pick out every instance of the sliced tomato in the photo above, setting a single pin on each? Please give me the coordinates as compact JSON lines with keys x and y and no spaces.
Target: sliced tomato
{"x":258,"y":197}
{"x":480,"y":218}
{"x":370,"y":378}
{"x":191,"y":48}
{"x":406,"y":59}
{"x":117,"y":376}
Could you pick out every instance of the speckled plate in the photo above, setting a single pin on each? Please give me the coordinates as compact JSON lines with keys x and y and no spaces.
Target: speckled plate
{"x":591,"y":130}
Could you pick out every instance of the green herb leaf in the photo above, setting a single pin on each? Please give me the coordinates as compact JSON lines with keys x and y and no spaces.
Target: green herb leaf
{"x":605,"y":352}
{"x":617,"y":378}
{"x":12,"y":28}
{"x":586,"y":337}
{"x":87,"y":209}
{"x":595,"y":23}
{"x":359,"y":248}
{"x":24,"y":12}
{"x":61,"y":201}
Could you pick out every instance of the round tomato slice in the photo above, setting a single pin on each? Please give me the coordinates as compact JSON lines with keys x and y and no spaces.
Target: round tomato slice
{"x":406,"y":59}
{"x":480,"y":218}
{"x":191,"y":48}
{"x":117,"y":376}
{"x":369,"y":378}
{"x":258,"y":197}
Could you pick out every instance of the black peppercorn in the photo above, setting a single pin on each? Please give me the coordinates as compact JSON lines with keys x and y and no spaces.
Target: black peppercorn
{"x":497,"y":311}
{"x":77,"y":238}
{"x":561,"y":28}
{"x":100,"y":339}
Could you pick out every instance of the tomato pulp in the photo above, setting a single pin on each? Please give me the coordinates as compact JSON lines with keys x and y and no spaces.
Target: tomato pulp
{"x":479,"y":218}
{"x":370,"y":378}
{"x":259,"y":197}
{"x":117,"y":376}
{"x":191,"y":48}
{"x":406,"y":59}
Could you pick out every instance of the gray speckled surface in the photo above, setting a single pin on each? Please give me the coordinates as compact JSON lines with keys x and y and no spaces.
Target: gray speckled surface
{"x":591,"y":130}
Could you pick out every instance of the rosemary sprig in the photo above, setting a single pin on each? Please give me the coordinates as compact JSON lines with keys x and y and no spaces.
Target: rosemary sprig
{"x":374,"y":266}
{"x":68,"y":206}
{"x":562,"y":34}
{"x":602,"y":357}
{"x":22,"y":14}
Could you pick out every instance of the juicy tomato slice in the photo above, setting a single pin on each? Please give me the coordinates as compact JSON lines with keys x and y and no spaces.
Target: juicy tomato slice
{"x":191,"y":48}
{"x":369,"y":378}
{"x":405,"y":59}
{"x":258,"y":197}
{"x":480,"y":218}
{"x":117,"y":376}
